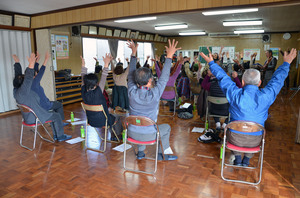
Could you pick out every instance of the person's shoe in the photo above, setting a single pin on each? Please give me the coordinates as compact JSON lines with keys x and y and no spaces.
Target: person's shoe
{"x":167,"y":157}
{"x":114,"y":138}
{"x":218,"y":130}
{"x":66,"y":124}
{"x":245,"y":161}
{"x":140,"y":155}
{"x":207,"y":137}
{"x":238,"y":160}
{"x":54,"y":137}
{"x":64,"y":137}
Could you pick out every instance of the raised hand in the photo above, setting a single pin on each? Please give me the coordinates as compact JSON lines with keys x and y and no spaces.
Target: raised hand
{"x":82,"y":62}
{"x":133,"y":47}
{"x":148,"y":57}
{"x":107,"y":59}
{"x":127,"y":59}
{"x":290,"y":57}
{"x":16,"y":58}
{"x":171,"y":49}
{"x":156,"y":57}
{"x":234,"y":74}
{"x":208,"y":58}
{"x":119,"y":60}
{"x":241,"y":54}
{"x":38,"y":56}
{"x":47,"y":56}
{"x":208,"y":50}
{"x":31,"y":60}
{"x":95,"y":58}
{"x":227,"y":54}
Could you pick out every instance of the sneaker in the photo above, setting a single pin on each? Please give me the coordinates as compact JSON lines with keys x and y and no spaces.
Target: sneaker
{"x":54,"y":137}
{"x":168,"y":151}
{"x":140,"y":155}
{"x":167,"y":157}
{"x":207,"y":137}
{"x":64,"y":137}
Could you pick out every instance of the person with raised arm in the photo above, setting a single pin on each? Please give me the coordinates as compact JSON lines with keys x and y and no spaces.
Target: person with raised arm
{"x":24,"y":94}
{"x":144,"y":100}
{"x":92,"y":94}
{"x":250,"y":103}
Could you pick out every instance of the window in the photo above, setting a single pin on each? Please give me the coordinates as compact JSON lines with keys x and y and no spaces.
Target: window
{"x":123,"y":52}
{"x":94,"y":48}
{"x":144,"y":50}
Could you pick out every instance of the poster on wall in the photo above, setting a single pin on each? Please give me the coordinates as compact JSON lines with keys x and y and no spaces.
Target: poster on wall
{"x":62,"y":46}
{"x":249,"y":52}
{"x":54,"y":58}
{"x":275,"y":52}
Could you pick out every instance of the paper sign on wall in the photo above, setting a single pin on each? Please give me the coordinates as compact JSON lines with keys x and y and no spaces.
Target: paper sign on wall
{"x":62,"y":47}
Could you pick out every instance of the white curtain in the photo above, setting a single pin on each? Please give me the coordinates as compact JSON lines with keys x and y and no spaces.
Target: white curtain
{"x":11,"y":42}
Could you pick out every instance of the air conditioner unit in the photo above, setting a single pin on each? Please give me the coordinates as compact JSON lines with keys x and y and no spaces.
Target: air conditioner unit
{"x":266,"y":38}
{"x":223,"y":34}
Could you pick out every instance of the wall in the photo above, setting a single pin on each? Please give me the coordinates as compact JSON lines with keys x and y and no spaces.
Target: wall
{"x":75,"y":51}
{"x":243,"y":42}
{"x":135,"y":8}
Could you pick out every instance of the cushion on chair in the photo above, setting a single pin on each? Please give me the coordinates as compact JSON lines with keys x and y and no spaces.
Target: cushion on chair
{"x":33,"y":125}
{"x":243,"y":149}
{"x":140,"y":142}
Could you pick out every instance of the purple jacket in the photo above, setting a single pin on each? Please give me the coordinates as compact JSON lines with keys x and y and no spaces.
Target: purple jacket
{"x":170,"y":83}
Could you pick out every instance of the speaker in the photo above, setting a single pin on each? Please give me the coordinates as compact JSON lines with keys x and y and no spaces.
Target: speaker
{"x":75,"y":30}
{"x":266,"y":38}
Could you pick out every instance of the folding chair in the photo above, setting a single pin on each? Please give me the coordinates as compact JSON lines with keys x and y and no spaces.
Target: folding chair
{"x":25,"y":109}
{"x":142,"y":122}
{"x":97,"y":108}
{"x":246,"y":128}
{"x":170,"y":88}
{"x":214,"y":100}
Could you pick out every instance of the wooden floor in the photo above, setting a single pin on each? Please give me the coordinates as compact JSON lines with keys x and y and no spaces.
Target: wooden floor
{"x":65,"y":170}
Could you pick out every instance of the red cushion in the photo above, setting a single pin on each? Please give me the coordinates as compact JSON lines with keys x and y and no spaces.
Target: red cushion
{"x":33,"y":125}
{"x":140,"y":142}
{"x":243,"y":149}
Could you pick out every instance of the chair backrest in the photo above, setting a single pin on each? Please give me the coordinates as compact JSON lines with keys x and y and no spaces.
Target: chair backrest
{"x":246,"y":126}
{"x":95,"y":108}
{"x":216,"y":100}
{"x":139,"y":121}
{"x":26,"y":109}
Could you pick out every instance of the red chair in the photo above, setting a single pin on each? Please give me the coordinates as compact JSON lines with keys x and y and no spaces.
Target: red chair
{"x":247,"y":128}
{"x":26,"y":109}
{"x":141,"y":121}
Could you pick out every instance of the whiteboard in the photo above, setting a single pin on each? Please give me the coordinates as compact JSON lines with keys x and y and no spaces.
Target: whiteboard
{"x":229,"y":49}
{"x":249,"y":52}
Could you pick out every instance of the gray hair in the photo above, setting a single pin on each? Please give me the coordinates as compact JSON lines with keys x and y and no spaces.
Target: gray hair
{"x":251,"y":77}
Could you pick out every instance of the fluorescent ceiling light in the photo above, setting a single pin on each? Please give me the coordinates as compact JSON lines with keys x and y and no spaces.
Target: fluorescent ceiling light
{"x":229,"y":11}
{"x":136,"y":19}
{"x":171,"y":27}
{"x":191,"y":33}
{"x":242,"y":23}
{"x":248,"y":31}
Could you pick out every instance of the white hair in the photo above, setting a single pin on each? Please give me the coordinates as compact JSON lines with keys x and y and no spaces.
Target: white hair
{"x":251,"y":77}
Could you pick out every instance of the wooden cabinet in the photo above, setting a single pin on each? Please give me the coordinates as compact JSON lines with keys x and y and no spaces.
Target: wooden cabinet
{"x":68,"y":91}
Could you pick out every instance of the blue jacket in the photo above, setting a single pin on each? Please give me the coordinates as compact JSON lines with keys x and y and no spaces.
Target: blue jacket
{"x":250,"y":103}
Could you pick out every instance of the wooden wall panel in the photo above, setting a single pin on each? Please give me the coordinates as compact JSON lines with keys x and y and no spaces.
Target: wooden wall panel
{"x":182,"y":5}
{"x":175,"y":5}
{"x":192,"y":4}
{"x":132,"y":8}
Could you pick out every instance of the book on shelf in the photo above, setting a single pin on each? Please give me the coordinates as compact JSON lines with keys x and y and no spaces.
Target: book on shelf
{"x":102,"y":31}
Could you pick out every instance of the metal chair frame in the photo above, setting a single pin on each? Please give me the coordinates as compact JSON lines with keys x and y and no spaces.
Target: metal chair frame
{"x":97,"y":108}
{"x":143,"y":122}
{"x":248,"y":124}
{"x":215,"y":100}
{"x":171,"y":100}
{"x":26,"y":109}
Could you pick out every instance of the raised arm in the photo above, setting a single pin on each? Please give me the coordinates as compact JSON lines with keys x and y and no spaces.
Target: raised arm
{"x":132,"y":64}
{"x":39,"y":76}
{"x":165,"y":74}
{"x":17,"y":66}
{"x":25,"y":88}
{"x":83,"y":70}
{"x":225,"y":82}
{"x":146,"y":62}
{"x":277,"y":81}
{"x":107,"y":59}
{"x":236,"y":79}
